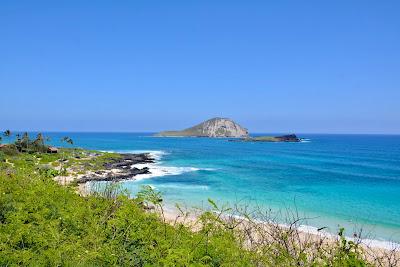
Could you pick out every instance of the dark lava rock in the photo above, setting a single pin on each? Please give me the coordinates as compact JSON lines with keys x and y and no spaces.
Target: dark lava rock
{"x":289,"y":138}
{"x":124,"y":164}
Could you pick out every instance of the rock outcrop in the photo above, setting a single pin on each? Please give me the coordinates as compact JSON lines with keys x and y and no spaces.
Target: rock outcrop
{"x":216,"y":127}
{"x":288,"y":138}
{"x":119,"y":169}
{"x":283,"y":138}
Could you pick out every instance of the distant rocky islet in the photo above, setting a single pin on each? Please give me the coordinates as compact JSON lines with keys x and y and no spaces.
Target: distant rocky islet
{"x":225,"y":128}
{"x":215,"y":127}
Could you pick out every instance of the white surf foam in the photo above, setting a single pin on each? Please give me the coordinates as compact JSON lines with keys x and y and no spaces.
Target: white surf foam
{"x":372,"y":243}
{"x":183,"y":186}
{"x":381,"y":244}
{"x":157,"y":170}
{"x":375,"y":243}
{"x":156,"y":154}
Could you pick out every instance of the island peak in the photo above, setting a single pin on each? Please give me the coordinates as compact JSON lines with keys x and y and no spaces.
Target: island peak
{"x":215,"y":127}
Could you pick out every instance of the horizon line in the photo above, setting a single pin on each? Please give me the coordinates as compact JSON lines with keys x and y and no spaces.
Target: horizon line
{"x":152,"y":132}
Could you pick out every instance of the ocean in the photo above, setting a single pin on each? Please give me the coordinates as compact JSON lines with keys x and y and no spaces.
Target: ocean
{"x":350,"y":181}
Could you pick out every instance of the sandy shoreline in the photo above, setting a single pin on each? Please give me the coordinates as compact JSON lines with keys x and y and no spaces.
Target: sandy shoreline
{"x":264,"y":232}
{"x":172,"y":214}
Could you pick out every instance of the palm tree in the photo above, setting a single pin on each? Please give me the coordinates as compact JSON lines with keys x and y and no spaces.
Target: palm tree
{"x":25,"y":139}
{"x":39,"y":143}
{"x":18,"y":142}
{"x":40,"y":138}
{"x":67,"y":140}
{"x":7,"y":133}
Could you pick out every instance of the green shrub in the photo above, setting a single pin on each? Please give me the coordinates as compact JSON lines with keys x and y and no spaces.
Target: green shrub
{"x":10,"y":150}
{"x":48,"y":172}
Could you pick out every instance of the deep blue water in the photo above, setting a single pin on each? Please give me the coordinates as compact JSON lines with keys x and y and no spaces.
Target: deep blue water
{"x":336,"y":179}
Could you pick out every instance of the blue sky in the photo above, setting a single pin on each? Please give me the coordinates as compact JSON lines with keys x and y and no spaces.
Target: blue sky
{"x":273,"y":66}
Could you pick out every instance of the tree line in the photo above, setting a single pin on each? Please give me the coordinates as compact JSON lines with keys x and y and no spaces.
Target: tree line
{"x":23,"y":143}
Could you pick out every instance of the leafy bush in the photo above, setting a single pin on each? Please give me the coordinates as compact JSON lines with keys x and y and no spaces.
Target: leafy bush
{"x":10,"y":150}
{"x":43,"y":223}
{"x":48,"y":172}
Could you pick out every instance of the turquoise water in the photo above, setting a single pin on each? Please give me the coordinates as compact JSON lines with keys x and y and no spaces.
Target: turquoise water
{"x":341,"y":180}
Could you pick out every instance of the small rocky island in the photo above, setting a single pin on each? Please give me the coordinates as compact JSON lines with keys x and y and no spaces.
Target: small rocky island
{"x":283,"y":138}
{"x":216,"y":127}
{"x":223,"y":127}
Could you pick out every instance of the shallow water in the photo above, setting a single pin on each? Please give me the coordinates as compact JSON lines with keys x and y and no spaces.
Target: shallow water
{"x":337,"y":180}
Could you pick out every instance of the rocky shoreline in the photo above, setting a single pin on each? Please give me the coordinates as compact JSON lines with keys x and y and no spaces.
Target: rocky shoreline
{"x":119,"y":169}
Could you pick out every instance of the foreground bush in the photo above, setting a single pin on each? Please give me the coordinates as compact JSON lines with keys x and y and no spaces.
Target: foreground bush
{"x":44,"y":224}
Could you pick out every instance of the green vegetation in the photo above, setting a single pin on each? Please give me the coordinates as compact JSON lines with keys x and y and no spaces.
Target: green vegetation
{"x":187,"y":133}
{"x":264,"y":138}
{"x":45,"y":224}
{"x":25,"y":144}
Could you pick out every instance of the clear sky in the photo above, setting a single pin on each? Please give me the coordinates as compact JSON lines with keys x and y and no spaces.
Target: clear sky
{"x":273,"y":66}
